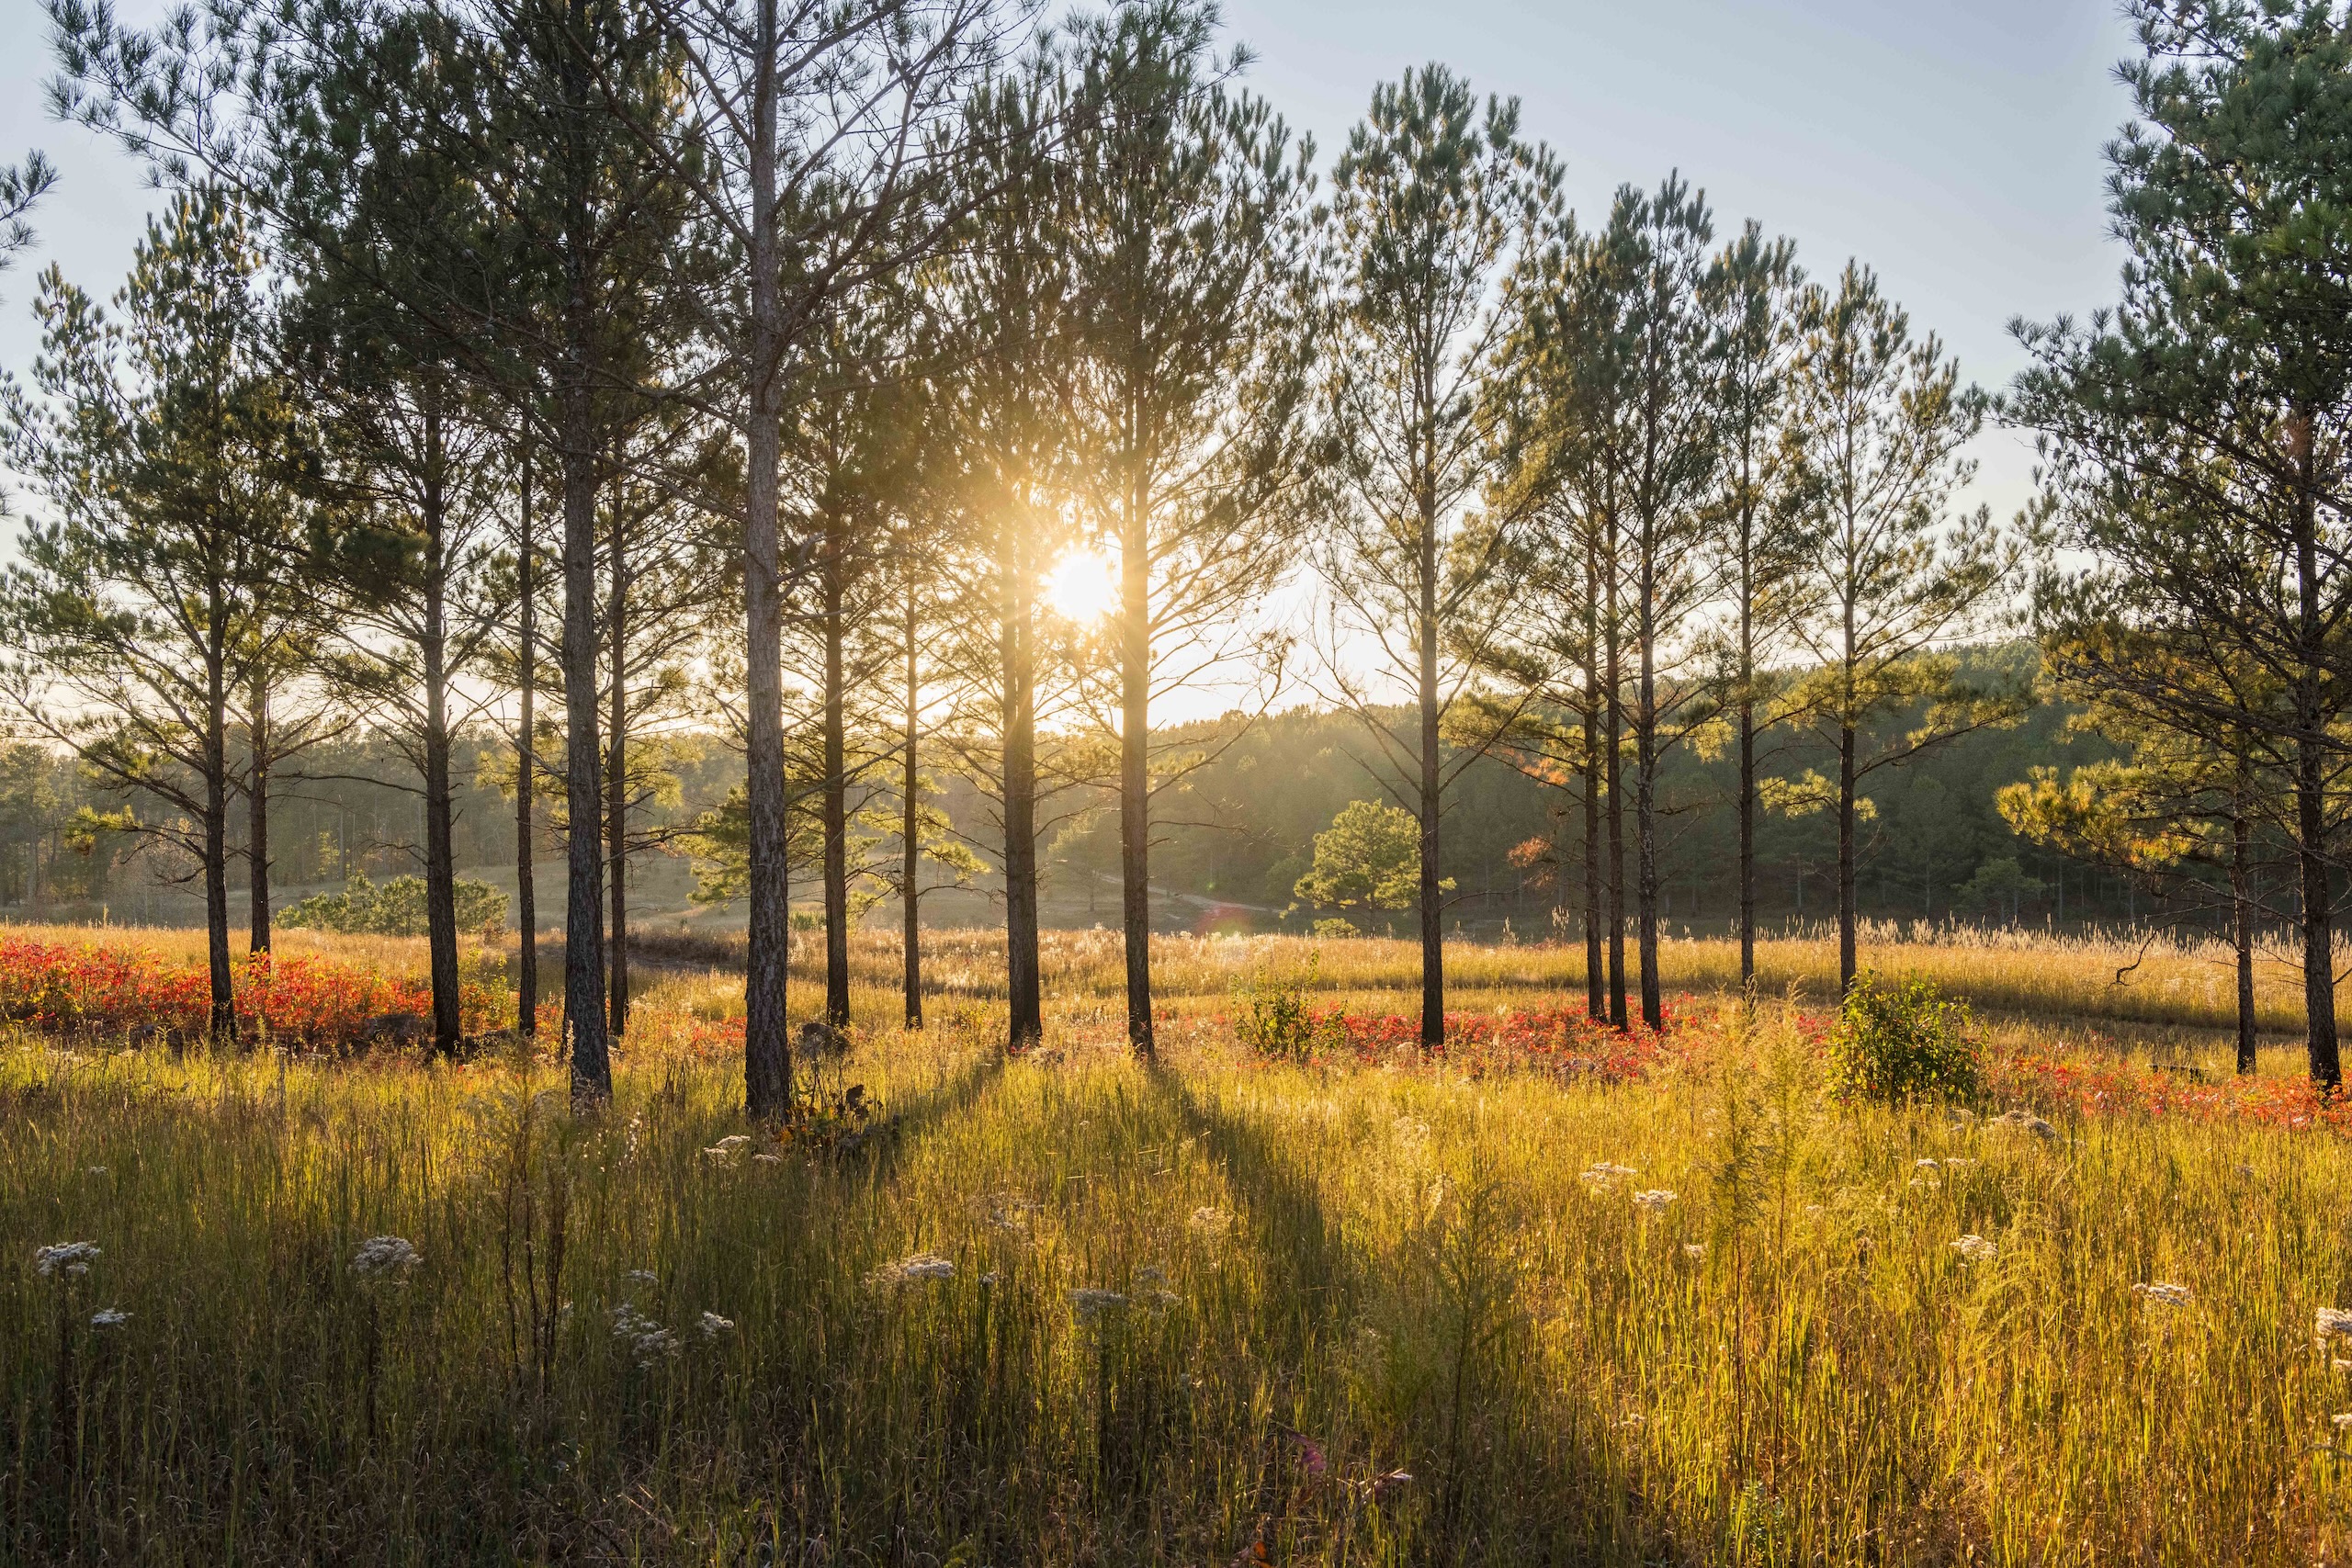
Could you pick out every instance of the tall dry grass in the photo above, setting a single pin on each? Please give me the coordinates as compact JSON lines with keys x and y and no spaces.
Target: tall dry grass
{"x":1343,"y":1317}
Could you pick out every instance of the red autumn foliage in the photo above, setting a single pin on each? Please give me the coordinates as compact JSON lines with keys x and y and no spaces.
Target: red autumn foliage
{"x":311,"y":1004}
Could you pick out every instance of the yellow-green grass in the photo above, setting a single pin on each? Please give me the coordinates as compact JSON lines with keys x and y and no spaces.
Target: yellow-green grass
{"x":1364,"y":1272}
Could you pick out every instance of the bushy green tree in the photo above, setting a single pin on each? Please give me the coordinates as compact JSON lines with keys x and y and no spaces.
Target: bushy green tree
{"x":1369,"y":858}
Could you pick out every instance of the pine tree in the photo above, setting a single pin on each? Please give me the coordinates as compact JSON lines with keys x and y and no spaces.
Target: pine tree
{"x":1752,"y":293}
{"x":2198,"y":434}
{"x":1431,"y":203}
{"x":1886,"y":420}
{"x":1189,"y":231}
{"x":170,"y":460}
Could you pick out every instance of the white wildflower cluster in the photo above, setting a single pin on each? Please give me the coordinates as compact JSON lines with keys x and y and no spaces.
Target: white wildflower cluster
{"x":1975,"y":1250}
{"x":2162,"y":1294}
{"x":1151,"y":1289}
{"x":2023,"y":1122}
{"x":1090,"y":1304}
{"x":108,"y":1317}
{"x":382,"y":1257}
{"x":70,"y":1258}
{"x":729,"y":1150}
{"x":647,"y":1340}
{"x":1601,"y":1177}
{"x":1211,"y":1221}
{"x":1655,"y":1201}
{"x":1694,"y":1250}
{"x":1011,"y":1211}
{"x":712,"y":1326}
{"x":913,"y":1268}
{"x":2331,"y":1323}
{"x":2342,"y":1423}
{"x":645,"y":1277}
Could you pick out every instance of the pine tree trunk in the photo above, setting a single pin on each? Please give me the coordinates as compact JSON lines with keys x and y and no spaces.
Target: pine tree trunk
{"x":767,"y":1045}
{"x":1614,"y":764}
{"x":911,"y":828}
{"x":583,"y":913}
{"x":221,"y":1025}
{"x":2242,"y":929}
{"x":1431,"y":786}
{"x":1847,"y":917}
{"x":1026,"y":1016}
{"x":1134,"y":766}
{"x":526,"y":911}
{"x":257,"y":816}
{"x":440,"y":869}
{"x":2319,"y":926}
{"x":1596,"y":988}
{"x":616,"y":782}
{"x":1747,"y":788}
{"x":836,"y":802}
{"x":1646,"y":800}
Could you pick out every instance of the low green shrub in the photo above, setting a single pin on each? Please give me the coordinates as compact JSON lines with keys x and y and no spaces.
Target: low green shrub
{"x":1275,"y":1017}
{"x":394,"y":908}
{"x":1902,"y":1040}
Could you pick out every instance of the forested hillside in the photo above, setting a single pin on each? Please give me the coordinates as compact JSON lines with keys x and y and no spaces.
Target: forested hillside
{"x":1238,"y":829}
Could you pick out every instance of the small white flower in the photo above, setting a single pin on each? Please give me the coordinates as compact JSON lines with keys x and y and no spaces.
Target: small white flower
{"x":1601,"y":1177}
{"x":1158,"y":1299}
{"x":2023,"y":1122}
{"x":914,"y":1266}
{"x":380,"y":1256}
{"x":2342,"y":1423}
{"x":1925,"y":1164}
{"x":1090,"y":1304}
{"x":712,"y":1326}
{"x":2162,"y":1294}
{"x":646,"y":1276}
{"x":1655,"y":1201}
{"x":1214,"y":1222}
{"x":727,"y":1150}
{"x":1694,"y":1250}
{"x":647,"y":1340}
{"x":97,"y":1170}
{"x":1976,"y":1249}
{"x":109,"y":1317}
{"x":72,"y":1258}
{"x":2334,"y":1321}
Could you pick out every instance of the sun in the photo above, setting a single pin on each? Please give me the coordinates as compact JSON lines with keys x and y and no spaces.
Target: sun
{"x":1083,"y":587}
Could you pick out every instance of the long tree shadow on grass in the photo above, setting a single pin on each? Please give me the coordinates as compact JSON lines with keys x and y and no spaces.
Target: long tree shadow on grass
{"x":899,"y":1127}
{"x":1501,"y":1475}
{"x":1308,"y":1273}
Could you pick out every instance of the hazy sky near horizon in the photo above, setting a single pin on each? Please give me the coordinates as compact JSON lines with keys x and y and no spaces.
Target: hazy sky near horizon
{"x":1956,"y":148}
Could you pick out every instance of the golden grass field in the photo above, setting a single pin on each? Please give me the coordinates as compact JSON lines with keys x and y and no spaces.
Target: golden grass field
{"x":1069,"y":1309}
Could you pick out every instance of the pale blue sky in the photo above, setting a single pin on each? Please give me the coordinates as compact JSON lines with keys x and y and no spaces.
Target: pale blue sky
{"x":1954,"y":146}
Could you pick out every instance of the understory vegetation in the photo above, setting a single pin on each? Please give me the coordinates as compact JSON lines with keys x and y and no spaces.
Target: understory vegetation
{"x":1348,"y":1301}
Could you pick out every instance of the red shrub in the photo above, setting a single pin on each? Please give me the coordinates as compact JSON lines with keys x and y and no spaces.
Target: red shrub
{"x":313,"y":1004}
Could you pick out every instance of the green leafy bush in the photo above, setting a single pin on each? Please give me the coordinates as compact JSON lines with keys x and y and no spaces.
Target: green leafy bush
{"x":1275,"y":1017}
{"x":1901,"y":1039}
{"x":1335,"y":928}
{"x":395,"y":907}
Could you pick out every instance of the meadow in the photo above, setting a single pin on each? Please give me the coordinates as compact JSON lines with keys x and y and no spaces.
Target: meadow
{"x":1546,"y":1297}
